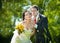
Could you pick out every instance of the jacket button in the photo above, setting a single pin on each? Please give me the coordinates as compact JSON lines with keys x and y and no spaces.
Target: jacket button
{"x":37,"y":30}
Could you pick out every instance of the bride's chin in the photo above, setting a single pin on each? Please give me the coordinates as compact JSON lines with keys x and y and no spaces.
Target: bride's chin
{"x":28,"y":21}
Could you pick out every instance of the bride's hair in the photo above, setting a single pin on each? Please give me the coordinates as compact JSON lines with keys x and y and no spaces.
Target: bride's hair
{"x":23,"y":16}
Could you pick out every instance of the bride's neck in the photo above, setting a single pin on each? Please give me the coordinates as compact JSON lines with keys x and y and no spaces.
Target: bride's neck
{"x":28,"y":22}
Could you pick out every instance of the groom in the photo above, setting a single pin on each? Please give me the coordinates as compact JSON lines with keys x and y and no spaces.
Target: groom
{"x":41,"y":26}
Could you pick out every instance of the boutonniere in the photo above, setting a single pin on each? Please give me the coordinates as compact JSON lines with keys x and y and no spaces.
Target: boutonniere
{"x":36,"y":26}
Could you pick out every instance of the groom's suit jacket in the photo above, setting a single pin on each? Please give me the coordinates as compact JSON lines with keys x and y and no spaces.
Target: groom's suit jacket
{"x":42,"y":27}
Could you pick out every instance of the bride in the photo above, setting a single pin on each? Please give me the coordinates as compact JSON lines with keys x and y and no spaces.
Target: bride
{"x":28,"y":32}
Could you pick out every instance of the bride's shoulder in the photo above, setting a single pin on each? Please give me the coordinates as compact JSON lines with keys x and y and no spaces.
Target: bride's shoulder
{"x":17,"y":26}
{"x":22,"y":22}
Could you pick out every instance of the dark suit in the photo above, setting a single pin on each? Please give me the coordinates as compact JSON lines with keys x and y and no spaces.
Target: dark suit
{"x":41,"y":29}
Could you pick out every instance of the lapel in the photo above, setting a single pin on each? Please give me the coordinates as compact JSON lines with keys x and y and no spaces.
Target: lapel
{"x":39,"y":19}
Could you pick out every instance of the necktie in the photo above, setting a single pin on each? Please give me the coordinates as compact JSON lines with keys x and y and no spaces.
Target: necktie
{"x":35,"y":20}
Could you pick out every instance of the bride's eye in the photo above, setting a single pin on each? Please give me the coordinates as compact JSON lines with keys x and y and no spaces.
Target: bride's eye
{"x":30,"y":14}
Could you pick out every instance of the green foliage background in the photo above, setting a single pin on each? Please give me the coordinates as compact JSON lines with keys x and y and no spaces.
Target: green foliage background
{"x":12,"y":9}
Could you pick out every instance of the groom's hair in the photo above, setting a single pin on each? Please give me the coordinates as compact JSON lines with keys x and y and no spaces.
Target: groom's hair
{"x":35,"y":6}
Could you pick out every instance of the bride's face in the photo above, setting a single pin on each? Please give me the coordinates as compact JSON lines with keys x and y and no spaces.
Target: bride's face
{"x":28,"y":16}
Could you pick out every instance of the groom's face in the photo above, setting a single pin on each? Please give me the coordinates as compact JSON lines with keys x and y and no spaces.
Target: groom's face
{"x":34,"y":11}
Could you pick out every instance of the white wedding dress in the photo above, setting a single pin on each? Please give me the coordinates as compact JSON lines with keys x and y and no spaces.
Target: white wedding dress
{"x":24,"y":37}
